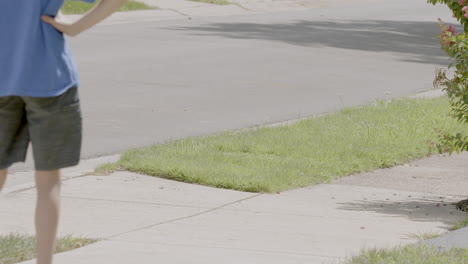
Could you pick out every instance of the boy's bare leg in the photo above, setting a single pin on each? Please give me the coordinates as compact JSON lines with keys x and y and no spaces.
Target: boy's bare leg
{"x":47,"y":214}
{"x":3,"y":175}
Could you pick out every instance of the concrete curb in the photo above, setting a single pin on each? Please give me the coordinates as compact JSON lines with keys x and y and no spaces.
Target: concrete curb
{"x":186,"y":9}
{"x":173,"y":10}
{"x":427,"y":94}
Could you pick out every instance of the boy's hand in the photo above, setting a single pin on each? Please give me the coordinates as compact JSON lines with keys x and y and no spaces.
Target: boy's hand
{"x":61,"y":25}
{"x":103,"y":9}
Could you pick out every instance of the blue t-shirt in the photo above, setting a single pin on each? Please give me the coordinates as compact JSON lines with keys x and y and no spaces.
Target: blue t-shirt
{"x":34,"y":57}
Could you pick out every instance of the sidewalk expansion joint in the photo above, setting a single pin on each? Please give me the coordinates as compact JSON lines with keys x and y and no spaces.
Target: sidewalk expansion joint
{"x":183,"y":218}
{"x":120,"y":201}
{"x":32,"y":186}
{"x":278,"y":252}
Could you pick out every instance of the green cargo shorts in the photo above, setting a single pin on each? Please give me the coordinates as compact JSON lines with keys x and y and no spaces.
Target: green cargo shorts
{"x":52,"y":124}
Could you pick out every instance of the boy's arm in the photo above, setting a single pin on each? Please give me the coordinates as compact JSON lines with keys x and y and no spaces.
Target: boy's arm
{"x":102,"y":10}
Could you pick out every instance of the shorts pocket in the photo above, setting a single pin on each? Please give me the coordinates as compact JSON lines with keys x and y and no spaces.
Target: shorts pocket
{"x":69,"y":99}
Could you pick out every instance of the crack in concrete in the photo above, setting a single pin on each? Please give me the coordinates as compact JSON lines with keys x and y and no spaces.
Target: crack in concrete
{"x":178,"y":12}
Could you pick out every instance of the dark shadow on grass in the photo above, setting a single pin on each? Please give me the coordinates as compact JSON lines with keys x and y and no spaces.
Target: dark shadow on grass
{"x":414,"y":41}
{"x":421,"y":210}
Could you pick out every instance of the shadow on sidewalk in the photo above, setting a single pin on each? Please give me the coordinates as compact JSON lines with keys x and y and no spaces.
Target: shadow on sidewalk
{"x":437,"y":209}
{"x":416,"y":41}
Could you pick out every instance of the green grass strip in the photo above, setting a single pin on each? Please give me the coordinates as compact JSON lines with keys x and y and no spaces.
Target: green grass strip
{"x":411,"y":255}
{"x":425,"y":236}
{"x":459,"y":225}
{"x":72,"y":7}
{"x":16,"y":248}
{"x":312,"y":151}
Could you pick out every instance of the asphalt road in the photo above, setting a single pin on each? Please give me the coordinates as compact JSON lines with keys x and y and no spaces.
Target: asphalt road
{"x":147,"y":82}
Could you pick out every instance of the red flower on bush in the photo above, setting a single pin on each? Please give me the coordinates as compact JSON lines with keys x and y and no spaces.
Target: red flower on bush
{"x":446,"y":33}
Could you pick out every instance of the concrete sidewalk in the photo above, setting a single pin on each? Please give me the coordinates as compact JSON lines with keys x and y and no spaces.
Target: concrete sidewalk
{"x":152,"y":220}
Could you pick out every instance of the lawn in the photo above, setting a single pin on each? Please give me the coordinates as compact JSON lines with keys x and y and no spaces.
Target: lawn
{"x":312,"y":151}
{"x":459,"y":225}
{"x":72,"y":7}
{"x":16,"y":248}
{"x":411,"y":255}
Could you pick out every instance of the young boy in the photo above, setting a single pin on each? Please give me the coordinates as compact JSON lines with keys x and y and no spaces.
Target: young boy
{"x":39,"y":100}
